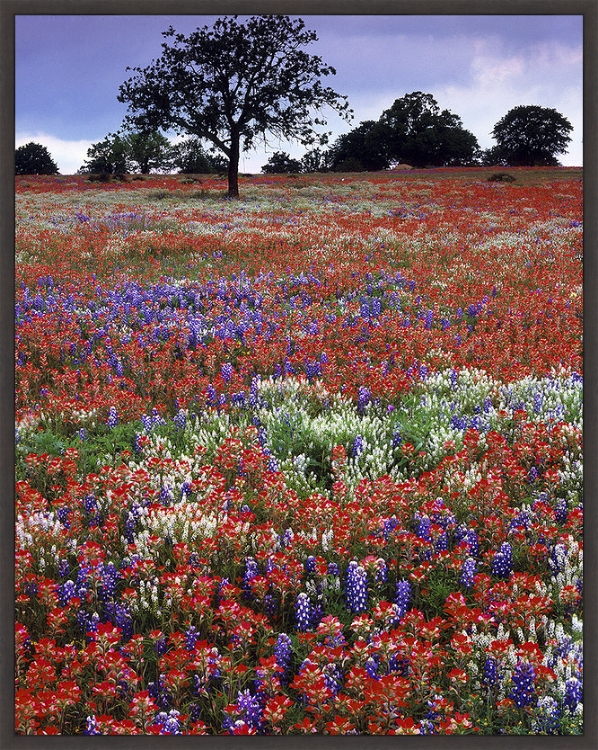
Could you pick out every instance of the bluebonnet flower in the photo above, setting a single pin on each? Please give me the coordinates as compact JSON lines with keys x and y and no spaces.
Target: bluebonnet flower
{"x":356,"y":588}
{"x":191,"y":637}
{"x":538,"y":401}
{"x":358,"y":446}
{"x":270,"y":605}
{"x":389,"y":525}
{"x":471,"y":540}
{"x":160,"y":693}
{"x":251,"y":570}
{"x":82,"y":580}
{"x":109,"y":578}
{"x":112,"y":420}
{"x":63,"y":516}
{"x":212,"y":396}
{"x":423,"y":528}
{"x":333,"y":569}
{"x":63,"y":568}
{"x":558,"y":558}
{"x":561,"y":510}
{"x":524,"y":688}
{"x":161,"y":646}
{"x":547,"y":716}
{"x":310,"y":564}
{"x":227,"y":371}
{"x":90,"y":503}
{"x":312,"y":370}
{"x":372,"y":664}
{"x":87,"y":623}
{"x":180,"y":419}
{"x":468,"y":571}
{"x":490,"y":675}
{"x":91,"y":726}
{"x":403,"y":596}
{"x":121,"y":617}
{"x":441,"y":543}
{"x":397,"y":439}
{"x":381,"y":574}
{"x":502,"y":562}
{"x":363,"y":397}
{"x":250,"y":708}
{"x":303,"y":612}
{"x":169,"y":721}
{"x":573,"y":693}
{"x":66,"y":592}
{"x":282,"y":651}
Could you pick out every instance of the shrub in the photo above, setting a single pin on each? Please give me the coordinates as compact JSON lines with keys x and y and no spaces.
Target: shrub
{"x":501,"y":177}
{"x":33,"y":158}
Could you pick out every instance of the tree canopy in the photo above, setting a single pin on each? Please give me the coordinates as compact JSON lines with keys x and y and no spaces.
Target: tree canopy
{"x":33,"y":158}
{"x":282,"y":163}
{"x":120,"y":153}
{"x":419,"y":133}
{"x":234,"y":83}
{"x":366,"y":145}
{"x":190,"y":157}
{"x":530,"y":135}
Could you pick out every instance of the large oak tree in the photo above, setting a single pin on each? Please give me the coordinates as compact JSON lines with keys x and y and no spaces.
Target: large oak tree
{"x":530,"y":135}
{"x":234,"y":83}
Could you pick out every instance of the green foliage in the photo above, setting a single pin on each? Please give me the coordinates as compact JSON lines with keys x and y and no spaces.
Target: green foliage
{"x":232,"y":83}
{"x":107,"y":157}
{"x":366,"y":147}
{"x":501,"y":177}
{"x":315,"y":160}
{"x":418,"y":133}
{"x":281,"y":163}
{"x":532,"y":136}
{"x":190,"y":157}
{"x":148,"y":151}
{"x":33,"y":158}
{"x":122,"y":153}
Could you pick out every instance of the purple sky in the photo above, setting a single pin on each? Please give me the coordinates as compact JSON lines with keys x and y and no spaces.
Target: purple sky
{"x":69,"y":68}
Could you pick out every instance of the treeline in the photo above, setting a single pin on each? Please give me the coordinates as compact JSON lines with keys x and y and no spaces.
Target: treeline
{"x":416,"y":132}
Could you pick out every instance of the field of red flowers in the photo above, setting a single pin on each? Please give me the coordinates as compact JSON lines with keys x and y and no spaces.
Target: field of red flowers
{"x":305,"y":462}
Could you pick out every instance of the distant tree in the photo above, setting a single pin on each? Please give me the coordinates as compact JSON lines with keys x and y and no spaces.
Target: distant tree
{"x":316,"y":160}
{"x":419,"y":133}
{"x":365,"y":147}
{"x":124,"y":152}
{"x":33,"y":158}
{"x":147,"y":152}
{"x":190,"y":157}
{"x":532,"y":135}
{"x":110,"y":156}
{"x":494,"y":157}
{"x":233,"y":84}
{"x":281,"y":163}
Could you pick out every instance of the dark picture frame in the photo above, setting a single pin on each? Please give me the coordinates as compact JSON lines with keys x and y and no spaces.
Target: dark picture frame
{"x":8,"y":10}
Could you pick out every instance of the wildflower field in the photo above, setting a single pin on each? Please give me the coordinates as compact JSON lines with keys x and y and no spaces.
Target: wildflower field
{"x":305,"y":462}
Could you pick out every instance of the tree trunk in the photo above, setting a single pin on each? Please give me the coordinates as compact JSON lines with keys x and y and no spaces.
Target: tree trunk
{"x":233,"y":167}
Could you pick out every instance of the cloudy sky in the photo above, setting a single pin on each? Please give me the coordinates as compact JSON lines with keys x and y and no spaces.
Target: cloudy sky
{"x":69,"y":68}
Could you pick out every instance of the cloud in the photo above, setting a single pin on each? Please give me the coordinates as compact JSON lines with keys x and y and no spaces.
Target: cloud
{"x":548,"y":75}
{"x":68,"y":155}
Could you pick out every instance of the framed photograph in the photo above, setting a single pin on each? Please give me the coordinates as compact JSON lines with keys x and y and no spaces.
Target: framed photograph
{"x":298,"y":309}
